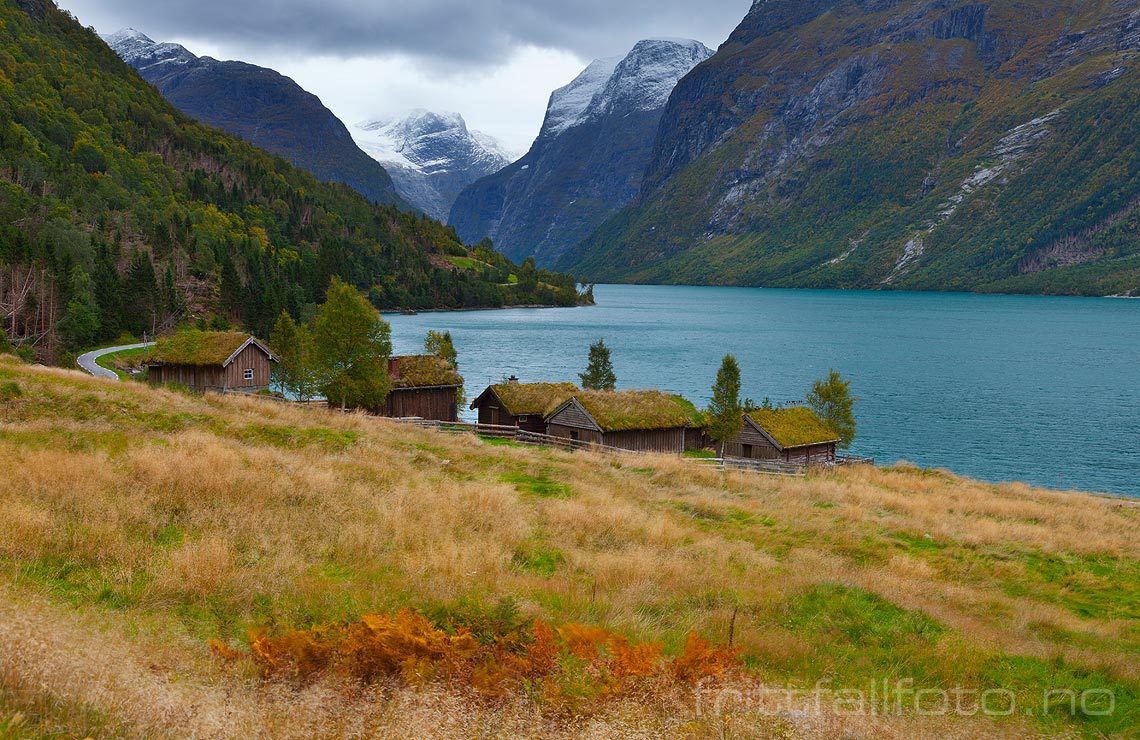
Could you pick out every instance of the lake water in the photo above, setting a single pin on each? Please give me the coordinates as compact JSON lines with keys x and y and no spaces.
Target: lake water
{"x":1043,"y":390}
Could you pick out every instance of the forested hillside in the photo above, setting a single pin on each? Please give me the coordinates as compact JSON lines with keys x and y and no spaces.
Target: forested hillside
{"x":120,"y":214}
{"x":897,"y":143}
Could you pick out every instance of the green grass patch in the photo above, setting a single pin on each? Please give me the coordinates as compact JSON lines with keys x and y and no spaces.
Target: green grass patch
{"x":500,"y":442}
{"x":541,"y":485}
{"x":10,"y":391}
{"x":538,"y":558}
{"x":699,"y":454}
{"x":292,"y":438}
{"x":81,"y":583}
{"x":1091,"y":587}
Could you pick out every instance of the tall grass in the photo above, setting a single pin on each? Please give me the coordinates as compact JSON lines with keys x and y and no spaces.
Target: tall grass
{"x":140,"y":523}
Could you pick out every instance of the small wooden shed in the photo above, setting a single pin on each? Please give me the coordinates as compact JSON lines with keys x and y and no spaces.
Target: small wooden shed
{"x":792,"y":435}
{"x":423,"y":386}
{"x":645,"y":421}
{"x":522,"y":405}
{"x":211,"y":361}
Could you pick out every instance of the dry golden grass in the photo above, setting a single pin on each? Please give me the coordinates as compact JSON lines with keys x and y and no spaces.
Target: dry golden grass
{"x":138,"y":524}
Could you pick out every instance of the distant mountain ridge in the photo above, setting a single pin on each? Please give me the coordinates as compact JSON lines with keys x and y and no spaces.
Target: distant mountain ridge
{"x":259,"y":105}
{"x":588,"y":159}
{"x":431,"y":156}
{"x":949,"y":145}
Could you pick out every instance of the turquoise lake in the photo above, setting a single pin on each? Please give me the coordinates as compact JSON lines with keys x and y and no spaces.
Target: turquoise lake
{"x":1036,"y":389}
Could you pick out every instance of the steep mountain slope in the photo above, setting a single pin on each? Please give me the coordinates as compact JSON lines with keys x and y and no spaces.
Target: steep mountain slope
{"x":431,"y":156}
{"x":119,"y":213}
{"x":588,"y":159}
{"x":901,"y":143}
{"x":261,"y":106}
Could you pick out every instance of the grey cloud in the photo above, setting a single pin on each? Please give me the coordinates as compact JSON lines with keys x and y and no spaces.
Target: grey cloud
{"x":454,"y":33}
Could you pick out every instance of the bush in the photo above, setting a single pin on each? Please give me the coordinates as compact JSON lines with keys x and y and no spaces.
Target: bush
{"x":410,"y":648}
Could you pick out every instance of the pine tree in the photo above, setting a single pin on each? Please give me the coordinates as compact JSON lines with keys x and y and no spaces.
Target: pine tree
{"x":831,"y":399}
{"x":599,"y":375}
{"x":81,"y":320}
{"x":726,"y":417}
{"x":353,"y":345}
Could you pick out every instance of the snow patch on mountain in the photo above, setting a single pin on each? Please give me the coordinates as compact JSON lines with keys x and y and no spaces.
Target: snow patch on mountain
{"x":431,"y":156}
{"x":568,"y":104}
{"x":140,"y":51}
{"x":640,"y":81}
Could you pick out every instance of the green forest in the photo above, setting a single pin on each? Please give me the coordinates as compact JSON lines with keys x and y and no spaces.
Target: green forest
{"x":119,"y":215}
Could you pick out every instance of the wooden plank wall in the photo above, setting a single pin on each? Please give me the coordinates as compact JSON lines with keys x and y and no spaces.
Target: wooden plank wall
{"x":438,"y":404}
{"x":648,"y":440}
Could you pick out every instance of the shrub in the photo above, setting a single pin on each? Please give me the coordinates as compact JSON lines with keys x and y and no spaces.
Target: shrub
{"x":574,"y":660}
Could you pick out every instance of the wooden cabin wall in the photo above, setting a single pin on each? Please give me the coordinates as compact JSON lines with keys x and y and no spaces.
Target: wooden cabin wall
{"x":760,"y":447}
{"x":565,"y":431}
{"x":811,"y":454}
{"x":648,"y":440}
{"x":438,"y":404}
{"x":251,"y":358}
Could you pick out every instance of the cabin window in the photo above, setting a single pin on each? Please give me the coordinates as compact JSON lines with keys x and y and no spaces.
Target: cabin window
{"x":524,"y":418}
{"x":248,"y":374}
{"x":574,"y":434}
{"x":746,"y":450}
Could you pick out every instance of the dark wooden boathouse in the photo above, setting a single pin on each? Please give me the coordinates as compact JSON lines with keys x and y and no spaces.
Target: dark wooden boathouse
{"x":644,"y":421}
{"x":211,"y":361}
{"x":792,"y":435}
{"x":423,"y":386}
{"x":522,"y":405}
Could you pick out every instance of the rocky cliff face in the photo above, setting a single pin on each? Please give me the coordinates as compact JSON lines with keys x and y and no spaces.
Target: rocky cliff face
{"x":431,"y":156}
{"x":866,"y":143}
{"x":259,"y":105}
{"x":588,"y":159}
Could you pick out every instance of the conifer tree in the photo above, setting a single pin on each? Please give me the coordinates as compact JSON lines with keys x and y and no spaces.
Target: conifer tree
{"x":599,"y":375}
{"x":726,"y":417}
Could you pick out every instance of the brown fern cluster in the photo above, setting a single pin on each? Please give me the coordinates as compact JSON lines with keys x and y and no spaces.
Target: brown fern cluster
{"x":572,"y":661}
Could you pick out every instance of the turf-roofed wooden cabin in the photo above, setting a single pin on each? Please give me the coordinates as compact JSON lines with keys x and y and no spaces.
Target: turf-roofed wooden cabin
{"x":522,"y":405}
{"x":793,"y":435}
{"x":646,"y":421}
{"x":423,"y":386}
{"x":211,"y":361}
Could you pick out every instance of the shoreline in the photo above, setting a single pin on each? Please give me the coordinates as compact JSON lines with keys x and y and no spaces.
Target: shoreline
{"x":396,"y":312}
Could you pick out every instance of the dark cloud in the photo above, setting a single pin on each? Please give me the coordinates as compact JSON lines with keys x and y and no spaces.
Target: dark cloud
{"x":450,"y":32}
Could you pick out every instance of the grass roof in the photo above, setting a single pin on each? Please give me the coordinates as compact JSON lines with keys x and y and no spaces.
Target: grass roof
{"x":796,"y":426}
{"x":197,"y":348}
{"x":618,"y":411}
{"x":524,"y":399}
{"x":425,"y":371}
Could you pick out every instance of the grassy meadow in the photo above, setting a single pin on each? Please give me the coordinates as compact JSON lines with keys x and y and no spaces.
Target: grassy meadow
{"x":140,"y":524}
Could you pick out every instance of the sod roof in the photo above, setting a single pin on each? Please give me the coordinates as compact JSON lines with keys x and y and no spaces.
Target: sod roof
{"x":525,"y":399}
{"x":796,"y":426}
{"x":619,"y":411}
{"x":197,"y":348}
{"x":425,"y":371}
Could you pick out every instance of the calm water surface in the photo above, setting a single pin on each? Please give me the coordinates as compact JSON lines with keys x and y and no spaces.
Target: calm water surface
{"x":1044,"y":390}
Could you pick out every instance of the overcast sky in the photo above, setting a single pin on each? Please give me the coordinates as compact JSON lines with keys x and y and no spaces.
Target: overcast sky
{"x":494,"y":61}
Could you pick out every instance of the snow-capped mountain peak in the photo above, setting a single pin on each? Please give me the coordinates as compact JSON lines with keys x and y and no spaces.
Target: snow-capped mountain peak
{"x":568,"y":104}
{"x":140,"y":51}
{"x":642,"y":80}
{"x":430,"y":155}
